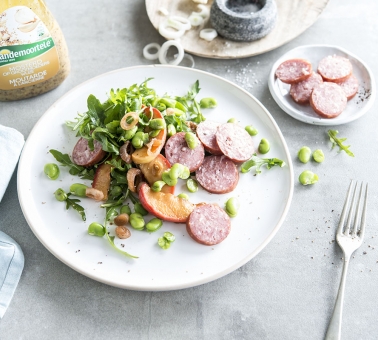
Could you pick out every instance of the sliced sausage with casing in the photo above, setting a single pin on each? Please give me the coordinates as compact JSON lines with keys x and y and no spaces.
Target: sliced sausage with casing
{"x":328,"y":100}
{"x":335,"y":68}
{"x":206,"y":132}
{"x":218,"y":174}
{"x":301,"y":92}
{"x":84,"y":156}
{"x":294,"y":70}
{"x":178,"y":151}
{"x":235,"y":142}
{"x":350,"y":86}
{"x":208,"y":224}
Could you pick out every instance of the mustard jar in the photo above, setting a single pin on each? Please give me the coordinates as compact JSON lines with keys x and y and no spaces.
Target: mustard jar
{"x":33,"y":52}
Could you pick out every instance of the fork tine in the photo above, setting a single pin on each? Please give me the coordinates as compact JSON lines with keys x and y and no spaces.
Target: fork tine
{"x":342,"y":217}
{"x":351,"y":212}
{"x":363,"y":218}
{"x":357,"y":214}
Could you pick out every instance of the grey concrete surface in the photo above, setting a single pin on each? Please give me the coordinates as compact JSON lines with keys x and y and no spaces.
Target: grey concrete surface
{"x":288,"y":290}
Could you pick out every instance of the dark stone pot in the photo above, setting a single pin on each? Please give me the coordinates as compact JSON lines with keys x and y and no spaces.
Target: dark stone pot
{"x":234,"y":20}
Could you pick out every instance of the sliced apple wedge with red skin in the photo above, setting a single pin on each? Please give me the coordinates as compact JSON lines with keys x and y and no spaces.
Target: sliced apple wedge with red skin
{"x":153,"y":172}
{"x":143,"y":155}
{"x":165,"y":206}
{"x":102,"y":179}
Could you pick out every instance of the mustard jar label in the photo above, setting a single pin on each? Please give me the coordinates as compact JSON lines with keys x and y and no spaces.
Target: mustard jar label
{"x":28,"y":54}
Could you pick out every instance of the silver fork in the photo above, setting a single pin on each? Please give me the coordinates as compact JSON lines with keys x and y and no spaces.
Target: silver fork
{"x":349,"y":240}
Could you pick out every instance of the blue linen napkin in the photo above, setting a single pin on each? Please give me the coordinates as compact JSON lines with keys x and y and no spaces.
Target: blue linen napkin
{"x":11,"y":256}
{"x":11,"y":265}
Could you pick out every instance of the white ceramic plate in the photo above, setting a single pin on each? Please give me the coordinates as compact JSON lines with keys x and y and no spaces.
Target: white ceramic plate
{"x":357,"y":106}
{"x":265,"y":199}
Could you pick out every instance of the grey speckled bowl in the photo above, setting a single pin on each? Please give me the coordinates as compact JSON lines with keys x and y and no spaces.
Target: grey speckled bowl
{"x":238,"y":19}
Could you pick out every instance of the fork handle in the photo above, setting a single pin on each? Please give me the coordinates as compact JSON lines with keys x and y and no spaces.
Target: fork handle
{"x":334,"y":328}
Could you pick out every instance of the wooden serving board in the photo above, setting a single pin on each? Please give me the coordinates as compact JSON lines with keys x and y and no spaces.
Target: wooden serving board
{"x":294,"y":17}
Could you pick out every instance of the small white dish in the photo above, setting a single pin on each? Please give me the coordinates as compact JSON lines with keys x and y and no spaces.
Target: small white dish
{"x":357,"y":106}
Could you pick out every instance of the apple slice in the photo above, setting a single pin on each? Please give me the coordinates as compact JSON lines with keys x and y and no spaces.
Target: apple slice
{"x":102,"y":179}
{"x":166,"y":206}
{"x":147,"y":153}
{"x":153,"y":172}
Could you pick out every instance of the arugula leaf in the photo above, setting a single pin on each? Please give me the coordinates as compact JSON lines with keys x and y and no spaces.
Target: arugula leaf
{"x":259,"y":162}
{"x":178,"y":122}
{"x":194,"y":90}
{"x":95,"y":110}
{"x":72,"y":202}
{"x":106,"y":139}
{"x":65,"y":160}
{"x":339,"y":142}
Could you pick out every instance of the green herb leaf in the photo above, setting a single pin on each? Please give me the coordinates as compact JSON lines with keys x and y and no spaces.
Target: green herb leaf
{"x":65,"y":160}
{"x":339,"y":142}
{"x":72,"y":202}
{"x":258,"y":162}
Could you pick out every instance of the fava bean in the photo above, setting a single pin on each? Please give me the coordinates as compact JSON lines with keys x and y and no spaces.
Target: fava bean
{"x":78,"y":189}
{"x":157,"y":186}
{"x":318,"y":156}
{"x":137,"y":221}
{"x":125,"y":209}
{"x":169,"y":236}
{"x":60,"y":195}
{"x":168,"y":102}
{"x":163,"y":243}
{"x":139,"y":139}
{"x":192,"y":185}
{"x":304,"y":154}
{"x":232,"y":206}
{"x":308,"y":177}
{"x":181,"y":107}
{"x":232,"y":120}
{"x":191,"y":140}
{"x":251,"y":130}
{"x":264,"y":146}
{"x":157,"y":124}
{"x":96,"y":229}
{"x":176,"y":170}
{"x":139,"y":209}
{"x":171,"y":130}
{"x":129,"y":134}
{"x":154,"y":224}
{"x":207,"y":103}
{"x":183,"y":196}
{"x":185,"y":173}
{"x":154,"y":133}
{"x":51,"y":170}
{"x":168,"y":179}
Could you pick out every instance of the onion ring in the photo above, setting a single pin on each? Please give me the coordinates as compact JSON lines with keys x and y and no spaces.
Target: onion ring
{"x":170,"y":34}
{"x":188,"y":57}
{"x":196,"y":19}
{"x":208,"y":34}
{"x":185,"y":23}
{"x":125,"y":152}
{"x":125,"y":125}
{"x":204,"y":11}
{"x":151,"y":56}
{"x":164,"y":49}
{"x":134,"y":177}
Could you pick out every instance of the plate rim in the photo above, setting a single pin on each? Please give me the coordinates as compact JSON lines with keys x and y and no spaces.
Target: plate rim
{"x":146,"y":287}
{"x":316,"y":120}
